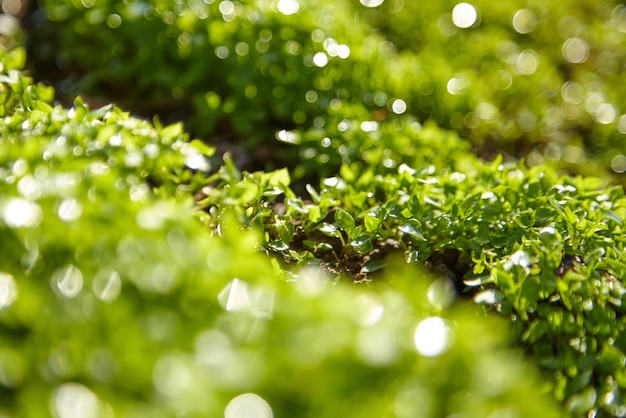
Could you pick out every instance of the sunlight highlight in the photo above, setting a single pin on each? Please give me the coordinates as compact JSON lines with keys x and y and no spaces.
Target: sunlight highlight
{"x":372,"y":3}
{"x":248,"y":405}
{"x":8,"y":290}
{"x":369,"y":310}
{"x":432,"y":337}
{"x":72,"y":400}
{"x":20,"y":213}
{"x":464,"y":15}
{"x":524,"y":21}
{"x":235,"y":296}
{"x":288,"y":7}
{"x":575,"y":50}
{"x":68,"y":280}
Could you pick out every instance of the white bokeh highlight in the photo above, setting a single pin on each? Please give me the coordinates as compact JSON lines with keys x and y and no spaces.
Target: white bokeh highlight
{"x":432,"y":337}
{"x":464,"y":15}
{"x":248,"y":405}
{"x":8,"y":290}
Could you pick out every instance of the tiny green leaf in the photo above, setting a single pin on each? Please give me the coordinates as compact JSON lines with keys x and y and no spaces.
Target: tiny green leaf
{"x":412,"y":231}
{"x":362,"y":244}
{"x":372,"y":223}
{"x":278,"y":245}
{"x":373,"y":266}
{"x":344,"y":220}
{"x":324,"y":246}
{"x":202,"y":147}
{"x":329,"y":230}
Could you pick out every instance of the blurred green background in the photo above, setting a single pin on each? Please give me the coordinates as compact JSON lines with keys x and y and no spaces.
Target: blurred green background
{"x":543,"y":80}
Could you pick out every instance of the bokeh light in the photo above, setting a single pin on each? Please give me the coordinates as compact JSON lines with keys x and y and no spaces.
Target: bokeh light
{"x":372,"y":3}
{"x":377,"y":346}
{"x":68,"y":281}
{"x":8,"y":290}
{"x":72,"y":400}
{"x":618,"y":163}
{"x":526,"y":62}
{"x":248,"y":405}
{"x":575,"y":50}
{"x":320,"y":59}
{"x":464,"y":15}
{"x":20,"y":213}
{"x":235,"y":296}
{"x":441,"y":293}
{"x":432,"y":337}
{"x":107,"y":285}
{"x":369,"y":310}
{"x":288,"y":7}
{"x":70,"y":209}
{"x":398,"y":106}
{"x":524,"y":21}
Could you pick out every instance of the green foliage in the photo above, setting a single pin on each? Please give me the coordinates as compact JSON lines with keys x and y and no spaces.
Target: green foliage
{"x":143,"y":277}
{"x":114,"y":301}
{"x":544,"y":250}
{"x":543,"y":79}
{"x":256,"y":64}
